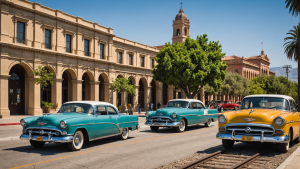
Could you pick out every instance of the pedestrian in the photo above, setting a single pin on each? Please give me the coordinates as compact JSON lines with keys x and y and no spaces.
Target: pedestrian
{"x":129,"y":109}
{"x":140,"y":108}
{"x":158,"y":105}
{"x":151,"y":107}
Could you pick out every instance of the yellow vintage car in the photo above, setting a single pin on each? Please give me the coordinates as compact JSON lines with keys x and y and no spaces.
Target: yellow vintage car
{"x":261,"y":118}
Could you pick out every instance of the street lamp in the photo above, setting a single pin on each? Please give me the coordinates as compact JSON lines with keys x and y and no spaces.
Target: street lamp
{"x":287,"y":70}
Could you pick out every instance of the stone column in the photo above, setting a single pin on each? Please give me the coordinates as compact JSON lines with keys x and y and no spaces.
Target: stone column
{"x":77,"y":90}
{"x":135,"y":99}
{"x":106,"y":92}
{"x":159,"y":93}
{"x":34,"y":98}
{"x":147,"y":96}
{"x":94,"y":91}
{"x":170,"y":92}
{"x":57,"y":83}
{"x":202,"y":96}
{"x":4,"y":90}
{"x":123,"y":101}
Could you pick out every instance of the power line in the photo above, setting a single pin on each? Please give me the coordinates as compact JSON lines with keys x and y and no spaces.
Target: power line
{"x":287,"y":70}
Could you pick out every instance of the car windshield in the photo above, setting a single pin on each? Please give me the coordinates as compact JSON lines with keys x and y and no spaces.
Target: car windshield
{"x":183,"y":104}
{"x":265,"y":103}
{"x":218,"y":102}
{"x":225,"y":102}
{"x":76,"y":107}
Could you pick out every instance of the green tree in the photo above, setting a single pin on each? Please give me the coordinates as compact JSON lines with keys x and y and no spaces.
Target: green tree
{"x":44,"y":77}
{"x":191,"y":65}
{"x":121,"y":85}
{"x":294,"y":7}
{"x":291,"y":44}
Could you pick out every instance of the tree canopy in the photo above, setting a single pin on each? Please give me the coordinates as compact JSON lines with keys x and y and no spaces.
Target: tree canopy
{"x":44,"y":77}
{"x":121,"y":85}
{"x":191,"y":65}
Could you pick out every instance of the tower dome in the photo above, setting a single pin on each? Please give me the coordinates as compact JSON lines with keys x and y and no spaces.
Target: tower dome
{"x":181,"y":15}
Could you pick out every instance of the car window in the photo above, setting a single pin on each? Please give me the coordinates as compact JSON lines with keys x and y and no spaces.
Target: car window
{"x":76,"y":107}
{"x":111,"y":111}
{"x":194,"y":105}
{"x":291,"y":105}
{"x":200,"y":106}
{"x":225,"y":102}
{"x":101,"y":110}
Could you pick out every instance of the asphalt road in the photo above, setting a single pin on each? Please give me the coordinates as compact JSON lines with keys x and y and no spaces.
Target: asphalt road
{"x":143,"y":149}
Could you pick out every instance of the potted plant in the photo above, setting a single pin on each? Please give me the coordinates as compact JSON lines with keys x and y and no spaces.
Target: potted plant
{"x":47,"y":105}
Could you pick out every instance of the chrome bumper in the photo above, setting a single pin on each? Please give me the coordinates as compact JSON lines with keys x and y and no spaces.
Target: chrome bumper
{"x":62,"y":139}
{"x":162,"y":124}
{"x":273,"y":139}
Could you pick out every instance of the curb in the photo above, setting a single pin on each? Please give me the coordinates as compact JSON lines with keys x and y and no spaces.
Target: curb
{"x":288,"y":161}
{"x":9,"y":124}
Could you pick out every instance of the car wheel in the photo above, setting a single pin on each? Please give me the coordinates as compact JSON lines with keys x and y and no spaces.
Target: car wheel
{"x":125,"y":134}
{"x":208,"y":123}
{"x":77,"y":141}
{"x":181,"y":126}
{"x":236,"y":108}
{"x":222,"y":109}
{"x":37,"y":144}
{"x":228,"y":144}
{"x":154,"y":128}
{"x":284,"y":147}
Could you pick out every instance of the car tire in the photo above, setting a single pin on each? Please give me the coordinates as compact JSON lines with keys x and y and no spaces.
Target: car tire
{"x":77,"y":142}
{"x":124,"y":135}
{"x":37,"y":144}
{"x":181,"y":126}
{"x":154,"y":128}
{"x":208,"y":123}
{"x":227,"y":144}
{"x":284,"y":147}
{"x":236,"y":108}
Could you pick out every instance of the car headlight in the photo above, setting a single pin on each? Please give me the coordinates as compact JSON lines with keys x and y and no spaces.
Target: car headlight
{"x":63,"y":124}
{"x":147,"y":114}
{"x":222,"y":119}
{"x":174,"y":115}
{"x":279,"y":121}
{"x":23,"y":123}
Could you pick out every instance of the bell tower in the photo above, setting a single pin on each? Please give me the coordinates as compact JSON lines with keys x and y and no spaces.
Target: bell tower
{"x":181,"y":27}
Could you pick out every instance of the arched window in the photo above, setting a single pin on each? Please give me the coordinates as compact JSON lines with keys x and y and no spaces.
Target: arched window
{"x":236,"y":70}
{"x":14,"y":76}
{"x":185,"y":31}
{"x":178,"y":32}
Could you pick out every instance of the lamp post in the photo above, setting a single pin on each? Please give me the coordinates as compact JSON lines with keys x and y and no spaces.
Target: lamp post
{"x":287,"y":70}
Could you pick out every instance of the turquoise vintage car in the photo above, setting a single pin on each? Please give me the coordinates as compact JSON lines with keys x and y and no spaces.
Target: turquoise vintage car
{"x":180,"y":113}
{"x":76,"y":122}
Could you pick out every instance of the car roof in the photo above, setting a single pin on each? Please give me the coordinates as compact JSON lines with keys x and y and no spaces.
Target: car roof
{"x":188,"y":100}
{"x":271,"y":95}
{"x":93,"y":103}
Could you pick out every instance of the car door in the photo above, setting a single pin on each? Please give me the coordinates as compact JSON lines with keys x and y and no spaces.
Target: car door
{"x":200,"y":118}
{"x":194,"y":112}
{"x":113,"y":119}
{"x":102,"y":126}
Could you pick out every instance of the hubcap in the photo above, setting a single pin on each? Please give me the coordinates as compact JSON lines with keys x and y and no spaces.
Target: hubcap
{"x":124,"y":132}
{"x":181,"y":125}
{"x":208,"y":122}
{"x":77,"y":140}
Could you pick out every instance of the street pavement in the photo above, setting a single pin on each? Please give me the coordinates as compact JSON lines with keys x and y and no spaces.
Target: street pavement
{"x":143,"y":149}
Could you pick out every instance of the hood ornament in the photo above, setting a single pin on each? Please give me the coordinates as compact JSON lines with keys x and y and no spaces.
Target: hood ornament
{"x":249,"y":119}
{"x":251,"y":111}
{"x":41,"y":123}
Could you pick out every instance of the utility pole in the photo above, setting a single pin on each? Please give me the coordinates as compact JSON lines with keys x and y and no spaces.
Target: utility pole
{"x":287,"y":70}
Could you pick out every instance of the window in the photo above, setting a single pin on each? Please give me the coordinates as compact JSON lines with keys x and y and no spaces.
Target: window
{"x":200,"y":106}
{"x":120,"y":57}
{"x":236,"y":70}
{"x":194,"y":105}
{"x":152,"y":62}
{"x":21,"y":32}
{"x":86,"y":47}
{"x":101,"y":51}
{"x":68,"y":43}
{"x":130,"y":59}
{"x":76,"y":107}
{"x":178,"y":32}
{"x":111,"y":111}
{"x":185,"y":31}
{"x":48,"y":39}
{"x":101,"y":110}
{"x":142,"y":61}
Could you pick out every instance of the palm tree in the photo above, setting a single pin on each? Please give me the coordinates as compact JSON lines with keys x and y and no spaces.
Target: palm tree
{"x":294,"y":8}
{"x":290,"y":45}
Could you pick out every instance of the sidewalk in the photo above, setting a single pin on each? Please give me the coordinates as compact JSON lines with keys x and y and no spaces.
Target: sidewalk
{"x":292,"y":162}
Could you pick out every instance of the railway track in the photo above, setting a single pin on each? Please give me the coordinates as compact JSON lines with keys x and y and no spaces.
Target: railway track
{"x":221,"y":160}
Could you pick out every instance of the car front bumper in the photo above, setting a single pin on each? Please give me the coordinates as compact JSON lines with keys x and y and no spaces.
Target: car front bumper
{"x":272,"y":139}
{"x":162,"y":124}
{"x":62,"y":139}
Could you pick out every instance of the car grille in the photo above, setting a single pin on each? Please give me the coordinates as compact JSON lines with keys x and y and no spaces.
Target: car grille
{"x":255,"y":129}
{"x":45,"y":131}
{"x":160,"y":119}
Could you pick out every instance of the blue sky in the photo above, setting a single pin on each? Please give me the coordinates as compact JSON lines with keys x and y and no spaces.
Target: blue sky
{"x":239,"y":25}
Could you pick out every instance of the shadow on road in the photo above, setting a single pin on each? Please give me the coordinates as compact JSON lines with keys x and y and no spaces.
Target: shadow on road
{"x":58,"y":148}
{"x":164,"y":130}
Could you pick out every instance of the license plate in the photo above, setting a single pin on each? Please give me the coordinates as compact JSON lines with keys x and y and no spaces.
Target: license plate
{"x":38,"y":138}
{"x":247,"y":138}
{"x":157,"y":124}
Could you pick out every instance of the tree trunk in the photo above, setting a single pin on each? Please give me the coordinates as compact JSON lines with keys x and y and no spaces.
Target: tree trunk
{"x":298,"y":39}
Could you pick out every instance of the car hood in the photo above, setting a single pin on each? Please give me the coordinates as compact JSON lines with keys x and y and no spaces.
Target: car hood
{"x":54,"y":119}
{"x":168,"y":111}
{"x":257,"y":115}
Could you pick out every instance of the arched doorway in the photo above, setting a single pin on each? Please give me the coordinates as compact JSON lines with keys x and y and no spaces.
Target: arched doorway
{"x":101,"y":89}
{"x":130,"y":97}
{"x":86,"y":87}
{"x":153,"y":94}
{"x":16,"y":93}
{"x":141,"y":95}
{"x":67,"y":87}
{"x":165,"y":93}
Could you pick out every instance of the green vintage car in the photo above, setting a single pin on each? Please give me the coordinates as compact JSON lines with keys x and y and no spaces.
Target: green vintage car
{"x":76,"y":122}
{"x":180,"y":113}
